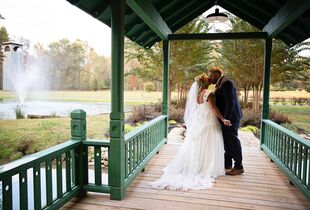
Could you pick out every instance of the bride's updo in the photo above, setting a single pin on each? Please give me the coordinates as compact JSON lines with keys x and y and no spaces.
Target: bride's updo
{"x":203,"y":81}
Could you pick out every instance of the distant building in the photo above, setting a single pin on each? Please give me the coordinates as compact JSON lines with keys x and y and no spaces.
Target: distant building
{"x":12,"y":63}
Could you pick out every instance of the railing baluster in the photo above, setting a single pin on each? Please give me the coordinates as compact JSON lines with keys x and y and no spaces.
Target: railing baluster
{"x":287,"y":151}
{"x":23,"y":193}
{"x":68,"y":171}
{"x":130,"y":157}
{"x":291,"y":153}
{"x":37,"y":186}
{"x":48,"y":177}
{"x":7,"y":193}
{"x":284,"y":149}
{"x":126,"y":159}
{"x":73,"y":165}
{"x":295,"y":157}
{"x":97,"y":154}
{"x":300,"y":160}
{"x":134,"y":154}
{"x":59,"y":175}
{"x":140,"y":147}
{"x":305,"y":159}
{"x":304,"y":168}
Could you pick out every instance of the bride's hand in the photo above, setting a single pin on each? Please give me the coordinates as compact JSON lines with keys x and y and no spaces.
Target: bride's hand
{"x":226,"y":122}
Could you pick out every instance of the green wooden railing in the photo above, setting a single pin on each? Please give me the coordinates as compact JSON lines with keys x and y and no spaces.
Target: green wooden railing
{"x":141,"y":144}
{"x":290,"y":152}
{"x":46,"y":159}
{"x":69,"y":164}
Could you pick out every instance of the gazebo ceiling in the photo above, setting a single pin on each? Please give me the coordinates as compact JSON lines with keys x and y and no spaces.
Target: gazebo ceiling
{"x":150,"y":21}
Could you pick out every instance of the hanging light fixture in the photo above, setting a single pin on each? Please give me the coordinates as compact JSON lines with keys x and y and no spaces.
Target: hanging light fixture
{"x":217,"y":17}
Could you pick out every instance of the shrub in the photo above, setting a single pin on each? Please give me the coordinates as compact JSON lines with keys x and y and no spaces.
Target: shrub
{"x":176,"y":114}
{"x":172,"y":122}
{"x":19,"y":112}
{"x":247,"y":105}
{"x":251,"y":117}
{"x":24,"y":146}
{"x":129,"y":128}
{"x":250,"y":128}
{"x":143,"y":113}
{"x":279,"y":117}
{"x":148,"y":86}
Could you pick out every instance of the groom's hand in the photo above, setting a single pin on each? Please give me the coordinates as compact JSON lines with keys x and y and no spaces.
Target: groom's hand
{"x":226,"y":122}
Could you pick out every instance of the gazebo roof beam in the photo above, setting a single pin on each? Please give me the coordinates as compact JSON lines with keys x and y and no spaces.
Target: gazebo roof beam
{"x":291,"y":10}
{"x":148,"y":13}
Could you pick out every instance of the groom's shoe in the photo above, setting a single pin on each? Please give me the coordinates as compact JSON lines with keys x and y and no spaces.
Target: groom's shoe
{"x":235,"y":171}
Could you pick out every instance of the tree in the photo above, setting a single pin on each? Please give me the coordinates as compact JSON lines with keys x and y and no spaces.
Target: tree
{"x":243,"y":60}
{"x":187,"y":59}
{"x":73,"y":65}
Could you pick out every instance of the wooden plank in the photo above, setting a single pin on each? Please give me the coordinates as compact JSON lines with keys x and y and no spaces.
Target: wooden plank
{"x":291,"y":10}
{"x":148,"y":13}
{"x":263,"y":186}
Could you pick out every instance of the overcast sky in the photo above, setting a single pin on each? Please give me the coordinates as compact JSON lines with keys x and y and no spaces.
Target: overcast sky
{"x":46,"y":21}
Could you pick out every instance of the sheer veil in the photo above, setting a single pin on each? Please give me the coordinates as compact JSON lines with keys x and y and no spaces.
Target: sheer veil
{"x":191,"y":105}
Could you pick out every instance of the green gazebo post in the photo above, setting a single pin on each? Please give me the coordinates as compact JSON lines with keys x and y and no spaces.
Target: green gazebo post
{"x":266,"y":87}
{"x":117,"y":144}
{"x":165,"y":108}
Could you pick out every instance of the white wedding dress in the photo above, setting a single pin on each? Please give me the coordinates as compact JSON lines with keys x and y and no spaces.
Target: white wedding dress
{"x":201,"y":158}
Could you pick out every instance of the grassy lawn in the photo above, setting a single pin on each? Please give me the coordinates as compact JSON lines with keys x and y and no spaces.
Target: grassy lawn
{"x":134,"y":97}
{"x":26,"y":136}
{"x":300,"y":115}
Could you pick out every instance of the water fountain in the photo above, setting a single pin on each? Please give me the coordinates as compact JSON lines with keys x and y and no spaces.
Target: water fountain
{"x":15,"y":78}
{"x":30,"y":80}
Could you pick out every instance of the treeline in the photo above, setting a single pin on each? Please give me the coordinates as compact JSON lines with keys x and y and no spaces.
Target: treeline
{"x":242,"y":60}
{"x":72,"y":66}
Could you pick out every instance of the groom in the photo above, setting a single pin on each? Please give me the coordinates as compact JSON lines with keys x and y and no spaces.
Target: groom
{"x":226,"y":100}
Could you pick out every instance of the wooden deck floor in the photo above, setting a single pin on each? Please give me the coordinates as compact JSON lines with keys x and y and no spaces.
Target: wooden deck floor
{"x":262,"y":186}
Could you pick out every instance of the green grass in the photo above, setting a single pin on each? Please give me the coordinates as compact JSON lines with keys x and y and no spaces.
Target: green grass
{"x":300,"y":115}
{"x":130,"y":97}
{"x":27,"y":136}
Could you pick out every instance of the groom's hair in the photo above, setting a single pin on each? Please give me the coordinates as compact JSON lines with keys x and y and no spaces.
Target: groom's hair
{"x":216,"y":70}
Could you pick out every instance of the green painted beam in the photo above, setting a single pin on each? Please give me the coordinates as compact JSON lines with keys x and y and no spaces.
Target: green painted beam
{"x":266,"y":81}
{"x":116,"y":174}
{"x":148,"y":13}
{"x":218,"y":36}
{"x":291,"y":10}
{"x":266,"y":87}
{"x":165,"y":100}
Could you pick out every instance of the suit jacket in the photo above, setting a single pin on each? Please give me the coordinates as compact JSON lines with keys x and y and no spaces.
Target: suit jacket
{"x":226,"y":99}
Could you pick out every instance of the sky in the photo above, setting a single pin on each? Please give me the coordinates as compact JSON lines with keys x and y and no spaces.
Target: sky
{"x":46,"y":21}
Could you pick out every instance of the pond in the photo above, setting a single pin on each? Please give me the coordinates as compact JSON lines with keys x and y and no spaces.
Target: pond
{"x":54,"y":108}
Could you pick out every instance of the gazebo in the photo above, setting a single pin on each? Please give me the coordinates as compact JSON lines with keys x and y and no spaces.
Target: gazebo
{"x":147,"y":22}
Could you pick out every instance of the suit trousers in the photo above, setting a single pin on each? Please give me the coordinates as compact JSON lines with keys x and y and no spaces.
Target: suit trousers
{"x":232,"y":146}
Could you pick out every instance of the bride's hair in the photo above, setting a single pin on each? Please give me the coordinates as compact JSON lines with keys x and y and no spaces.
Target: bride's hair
{"x":201,"y":81}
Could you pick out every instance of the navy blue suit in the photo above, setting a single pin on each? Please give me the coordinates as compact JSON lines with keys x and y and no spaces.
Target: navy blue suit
{"x":228,"y":104}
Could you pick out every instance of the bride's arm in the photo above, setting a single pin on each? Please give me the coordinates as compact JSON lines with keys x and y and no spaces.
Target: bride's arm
{"x":215,"y":110}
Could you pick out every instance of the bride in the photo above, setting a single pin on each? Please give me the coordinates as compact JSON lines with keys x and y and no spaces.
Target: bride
{"x":201,"y":158}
